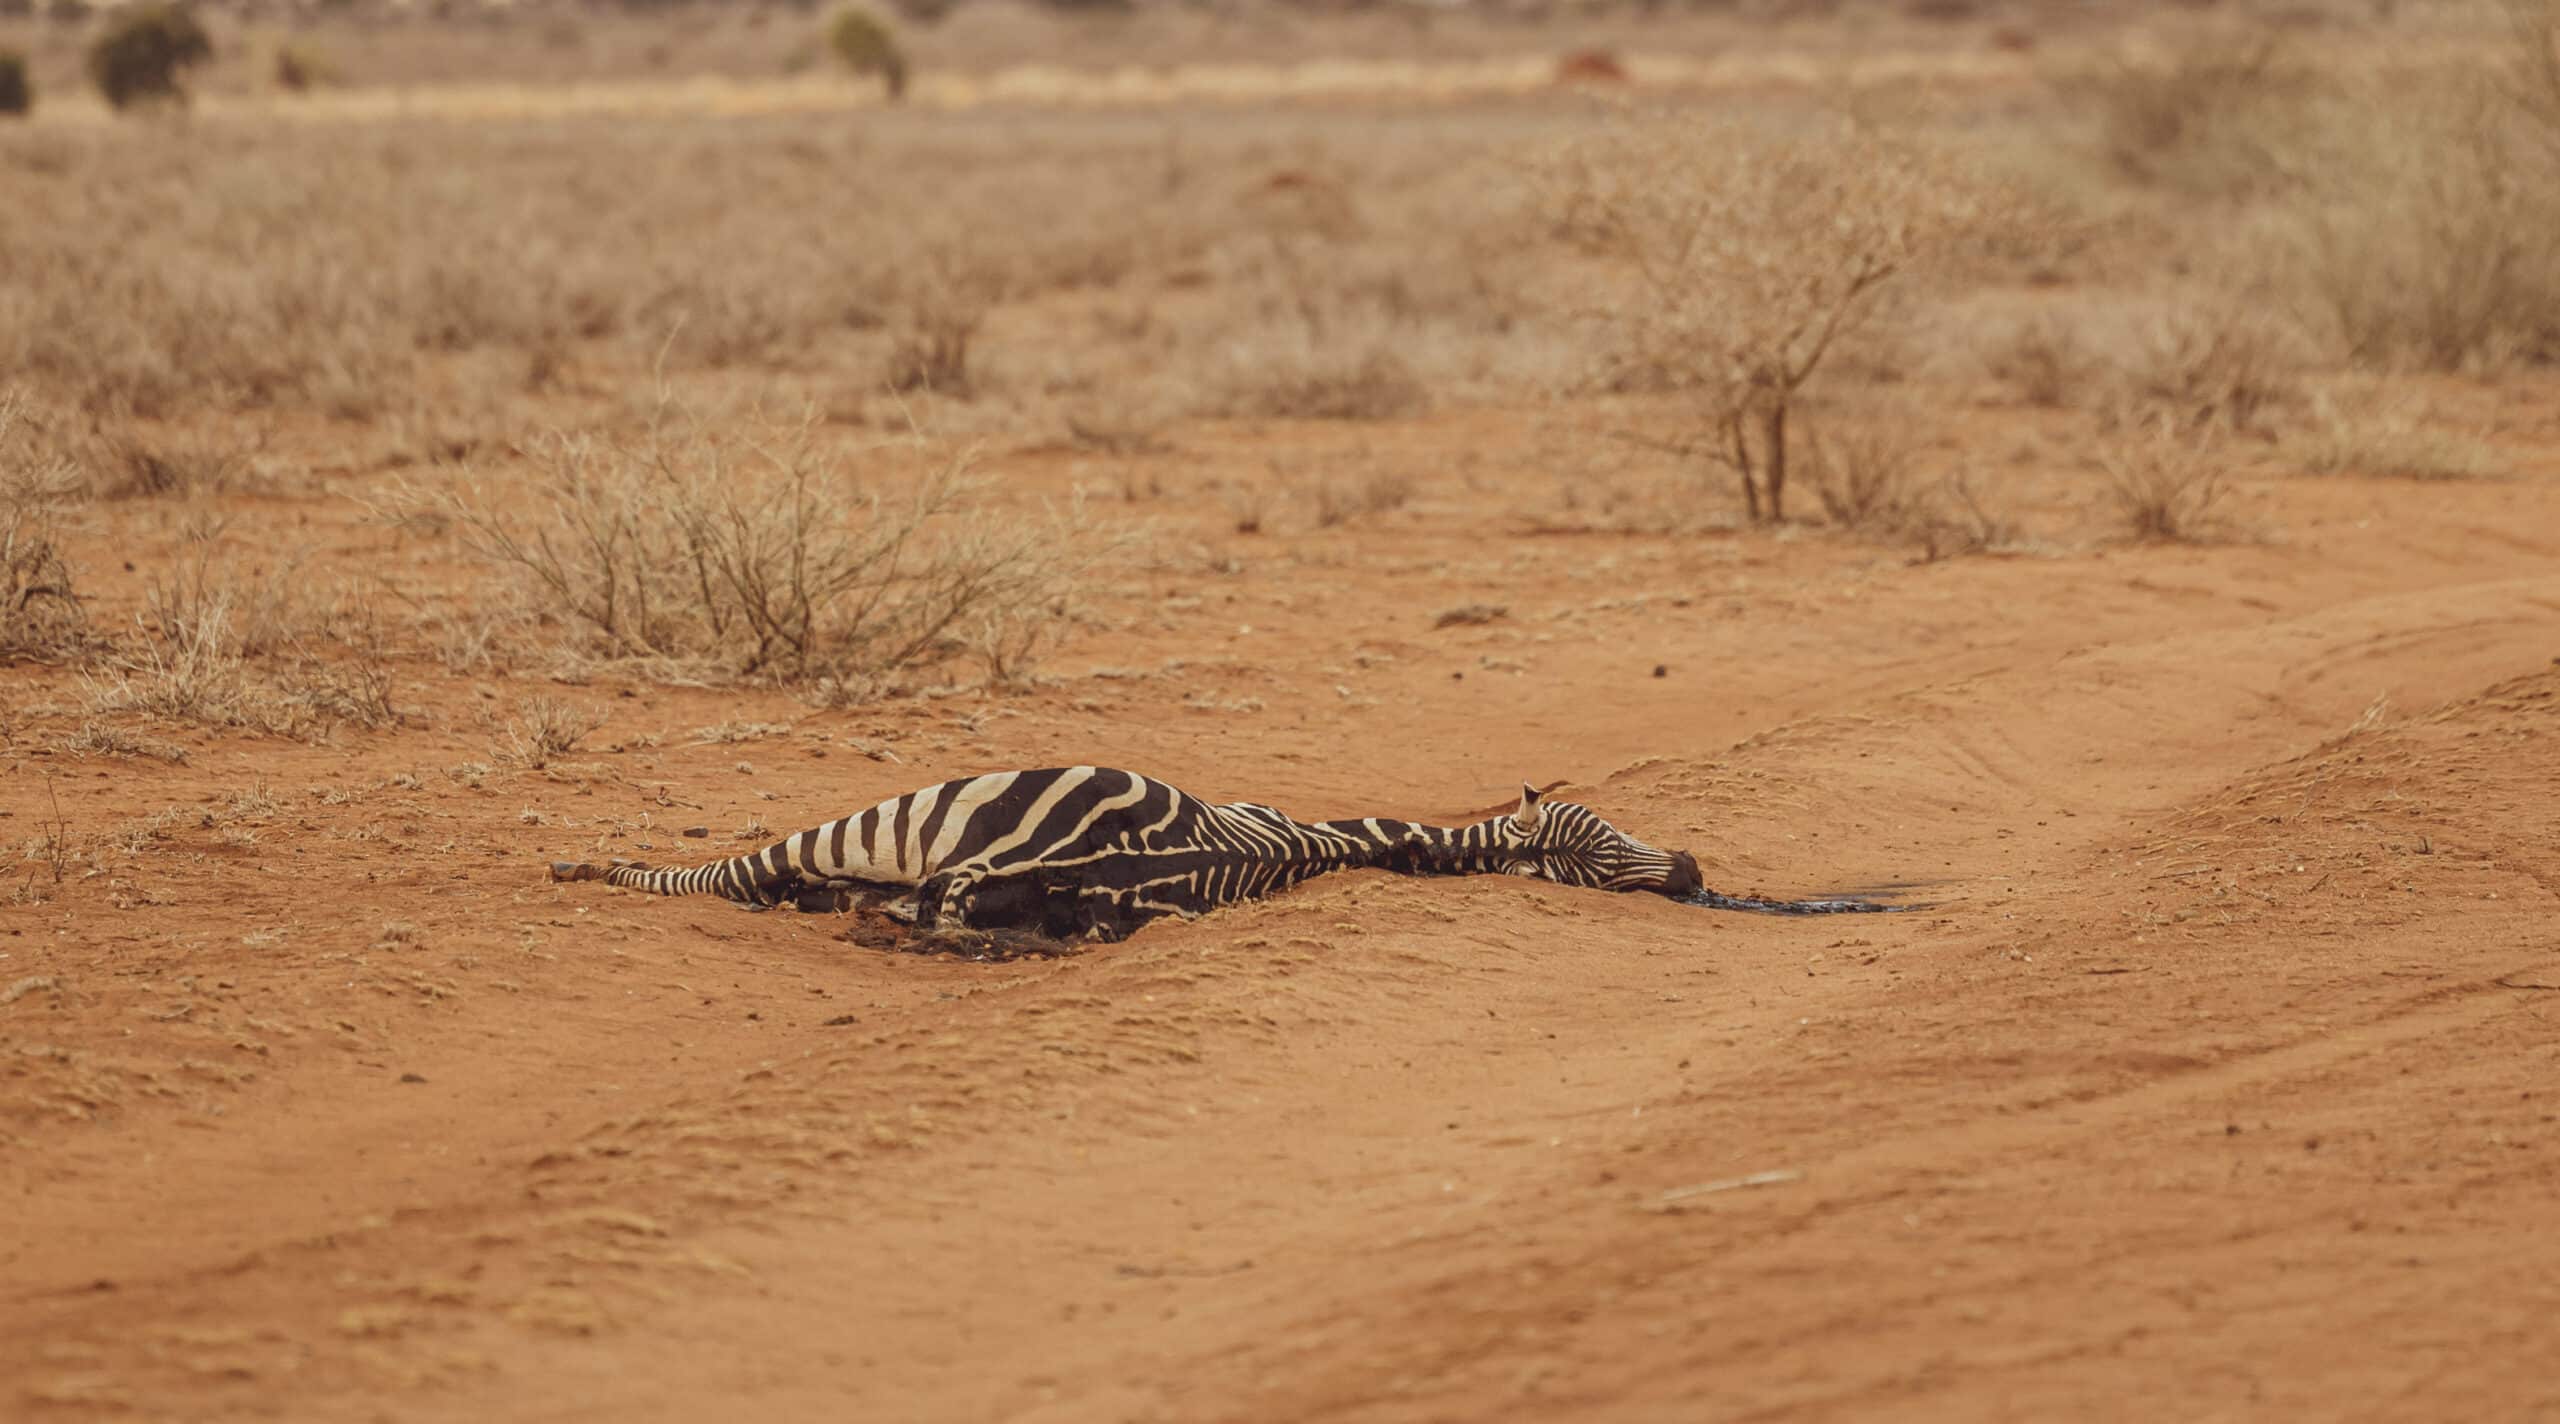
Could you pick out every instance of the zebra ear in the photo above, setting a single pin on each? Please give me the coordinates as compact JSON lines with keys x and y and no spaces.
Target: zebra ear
{"x":1528,"y":816}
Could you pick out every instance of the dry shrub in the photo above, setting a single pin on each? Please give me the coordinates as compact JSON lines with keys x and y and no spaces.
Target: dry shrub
{"x":2532,"y":78}
{"x":299,"y":68}
{"x":1336,"y":500}
{"x":2395,"y":439}
{"x":711,"y":556}
{"x":543,"y":730}
{"x":41,"y":615}
{"x":133,"y":464}
{"x":2042,"y":357}
{"x":2416,"y":235}
{"x":143,"y":53}
{"x":932,"y":323}
{"x":2216,"y":113}
{"x":1867,"y":473}
{"x":1304,"y":383}
{"x":930,"y":349}
{"x":221,"y":648}
{"x":1958,"y":517}
{"x":2427,"y":243}
{"x":97,"y":738}
{"x":2214,"y":360}
{"x":194,"y":671}
{"x":1750,"y":256}
{"x":2164,"y":482}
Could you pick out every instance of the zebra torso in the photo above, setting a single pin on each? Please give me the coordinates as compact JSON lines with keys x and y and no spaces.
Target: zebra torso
{"x":1128,"y":847}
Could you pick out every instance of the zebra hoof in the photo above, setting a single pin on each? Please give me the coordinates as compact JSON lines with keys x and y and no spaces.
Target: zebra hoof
{"x":576,"y":870}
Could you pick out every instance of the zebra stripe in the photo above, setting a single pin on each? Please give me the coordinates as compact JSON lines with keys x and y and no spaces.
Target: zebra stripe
{"x":1097,"y":850}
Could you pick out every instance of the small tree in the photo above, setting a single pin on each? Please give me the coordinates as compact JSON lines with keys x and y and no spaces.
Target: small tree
{"x":863,"y":42}
{"x":1751,"y":256}
{"x":16,"y":95}
{"x":143,"y":53}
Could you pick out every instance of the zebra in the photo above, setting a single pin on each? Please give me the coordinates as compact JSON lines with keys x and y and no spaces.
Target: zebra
{"x":1095,"y":852}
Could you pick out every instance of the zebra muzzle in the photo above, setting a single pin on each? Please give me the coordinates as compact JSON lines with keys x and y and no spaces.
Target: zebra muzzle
{"x":1685,"y":879}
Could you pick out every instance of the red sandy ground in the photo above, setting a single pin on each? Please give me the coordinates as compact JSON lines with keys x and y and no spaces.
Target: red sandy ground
{"x":2218,"y":1083}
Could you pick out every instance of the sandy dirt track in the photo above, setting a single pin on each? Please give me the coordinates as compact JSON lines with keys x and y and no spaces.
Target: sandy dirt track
{"x":2217,"y":1083}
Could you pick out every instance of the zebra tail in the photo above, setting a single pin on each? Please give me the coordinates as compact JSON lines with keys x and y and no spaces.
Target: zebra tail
{"x":738,"y":877}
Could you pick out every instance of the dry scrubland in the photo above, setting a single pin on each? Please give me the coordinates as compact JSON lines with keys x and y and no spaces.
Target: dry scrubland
{"x":2117,"y":487}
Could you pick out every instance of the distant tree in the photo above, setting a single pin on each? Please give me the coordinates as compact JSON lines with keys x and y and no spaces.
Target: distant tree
{"x":144,"y":51}
{"x":16,"y":95}
{"x":863,"y":42}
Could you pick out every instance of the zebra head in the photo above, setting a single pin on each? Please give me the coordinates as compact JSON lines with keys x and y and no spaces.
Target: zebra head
{"x":1570,"y":844}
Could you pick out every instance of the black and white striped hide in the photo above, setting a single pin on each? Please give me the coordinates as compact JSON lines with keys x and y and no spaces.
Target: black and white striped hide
{"x":1087,"y":851}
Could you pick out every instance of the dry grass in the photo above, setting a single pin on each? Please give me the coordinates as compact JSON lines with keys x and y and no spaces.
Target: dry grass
{"x":340,"y":269}
{"x":2396,"y":440}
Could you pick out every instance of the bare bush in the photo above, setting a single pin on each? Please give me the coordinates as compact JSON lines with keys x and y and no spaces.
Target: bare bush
{"x":1752,"y":257}
{"x":2164,"y":483}
{"x":714,"y":557}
